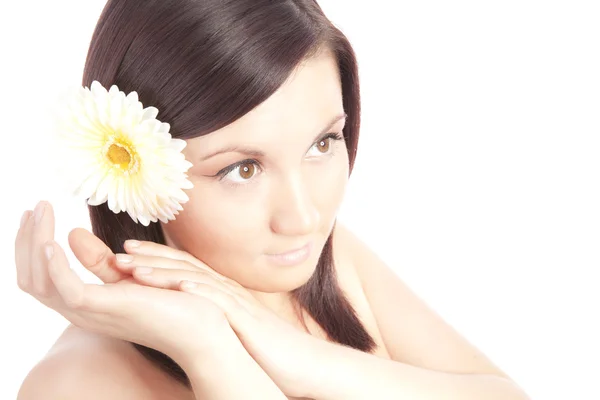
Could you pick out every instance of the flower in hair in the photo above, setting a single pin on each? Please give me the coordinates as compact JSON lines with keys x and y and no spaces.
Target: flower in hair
{"x":114,"y":150}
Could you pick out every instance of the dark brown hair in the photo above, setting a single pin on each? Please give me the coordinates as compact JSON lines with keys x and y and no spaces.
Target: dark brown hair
{"x":204,"y":64}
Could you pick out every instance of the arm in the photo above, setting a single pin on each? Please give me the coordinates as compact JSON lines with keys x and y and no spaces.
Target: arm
{"x":85,"y":371}
{"x":229,"y":372}
{"x":98,"y":369}
{"x":348,"y":374}
{"x":430,"y":359}
{"x":82,"y":373}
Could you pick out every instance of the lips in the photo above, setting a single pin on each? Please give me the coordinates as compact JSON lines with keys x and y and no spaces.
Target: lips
{"x":288,"y":252}
{"x":292,"y":257}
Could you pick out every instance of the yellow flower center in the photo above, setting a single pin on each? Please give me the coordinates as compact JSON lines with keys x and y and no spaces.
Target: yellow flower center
{"x":118,"y":155}
{"x":121,"y":154}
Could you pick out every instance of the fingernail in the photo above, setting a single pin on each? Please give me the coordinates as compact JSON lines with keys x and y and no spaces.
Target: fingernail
{"x":124,"y":258}
{"x":49,"y":250}
{"x":143,"y":270}
{"x":39,"y":212}
{"x":24,"y":218}
{"x":188,"y":285}
{"x":132,"y":243}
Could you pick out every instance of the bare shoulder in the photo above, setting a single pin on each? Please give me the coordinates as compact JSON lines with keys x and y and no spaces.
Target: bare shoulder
{"x":343,"y":260}
{"x":350,"y":247}
{"x":82,"y":364}
{"x":350,"y":282}
{"x":412,"y":331}
{"x":346,"y":246}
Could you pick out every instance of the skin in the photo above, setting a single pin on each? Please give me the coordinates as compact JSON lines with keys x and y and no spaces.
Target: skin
{"x":289,"y":198}
{"x":292,"y":198}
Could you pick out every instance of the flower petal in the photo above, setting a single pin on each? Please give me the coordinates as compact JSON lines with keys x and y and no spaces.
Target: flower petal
{"x":88,"y":121}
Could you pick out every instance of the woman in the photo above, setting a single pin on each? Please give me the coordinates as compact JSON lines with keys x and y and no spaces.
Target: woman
{"x":253,"y":290}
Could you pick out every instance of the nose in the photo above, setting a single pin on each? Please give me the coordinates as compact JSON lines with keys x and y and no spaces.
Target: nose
{"x":294,"y":212}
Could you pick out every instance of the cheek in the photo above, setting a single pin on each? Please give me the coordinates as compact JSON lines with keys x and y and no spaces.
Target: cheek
{"x":212,"y":224}
{"x":216,"y":224}
{"x":330,"y":186}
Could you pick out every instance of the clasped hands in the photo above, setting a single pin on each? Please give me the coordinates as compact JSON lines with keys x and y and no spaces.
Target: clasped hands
{"x":159,"y":297}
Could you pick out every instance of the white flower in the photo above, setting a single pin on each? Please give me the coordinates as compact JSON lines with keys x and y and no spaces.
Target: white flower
{"x":112,"y":149}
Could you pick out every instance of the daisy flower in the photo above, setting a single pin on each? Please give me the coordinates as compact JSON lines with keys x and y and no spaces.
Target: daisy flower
{"x":114,"y":150}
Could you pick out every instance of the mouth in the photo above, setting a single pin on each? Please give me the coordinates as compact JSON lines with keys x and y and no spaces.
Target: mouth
{"x":292,"y":257}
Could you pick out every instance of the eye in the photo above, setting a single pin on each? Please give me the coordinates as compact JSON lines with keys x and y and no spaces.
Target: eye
{"x":239,"y":172}
{"x":323,"y":145}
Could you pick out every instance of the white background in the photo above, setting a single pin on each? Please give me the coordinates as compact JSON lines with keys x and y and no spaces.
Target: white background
{"x":477,"y":177}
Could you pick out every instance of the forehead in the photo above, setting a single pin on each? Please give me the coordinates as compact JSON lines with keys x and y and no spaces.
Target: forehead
{"x":299,"y":109}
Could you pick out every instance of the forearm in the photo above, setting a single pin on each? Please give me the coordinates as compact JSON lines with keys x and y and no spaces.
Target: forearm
{"x":230,"y":373}
{"x":347,"y":374}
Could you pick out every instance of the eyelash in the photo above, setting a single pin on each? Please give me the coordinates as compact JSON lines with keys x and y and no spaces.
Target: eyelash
{"x":223,"y":173}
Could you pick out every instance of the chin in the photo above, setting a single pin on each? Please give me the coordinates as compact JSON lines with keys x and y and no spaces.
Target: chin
{"x":279,"y":279}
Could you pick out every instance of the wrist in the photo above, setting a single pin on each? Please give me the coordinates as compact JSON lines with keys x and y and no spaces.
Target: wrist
{"x":211,"y":374}
{"x":325,"y":375}
{"x":196,"y":359}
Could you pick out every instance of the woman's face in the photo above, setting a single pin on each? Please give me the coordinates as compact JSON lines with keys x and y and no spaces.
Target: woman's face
{"x":269,"y":183}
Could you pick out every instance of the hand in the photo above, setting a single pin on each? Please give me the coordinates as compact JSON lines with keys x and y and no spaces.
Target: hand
{"x":285,"y":353}
{"x":179,"y":324}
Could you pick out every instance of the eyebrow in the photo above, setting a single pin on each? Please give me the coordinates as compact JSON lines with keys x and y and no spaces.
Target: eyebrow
{"x":257,"y":153}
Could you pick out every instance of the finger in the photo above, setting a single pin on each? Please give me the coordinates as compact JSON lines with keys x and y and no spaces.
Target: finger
{"x":172,"y":278}
{"x":90,"y":306}
{"x":235,"y":311}
{"x":75,"y":294}
{"x":159,"y":250}
{"x":95,"y":255}
{"x":147,"y":248}
{"x":42,"y":231}
{"x":68,"y":285}
{"x":127,"y":263}
{"x":23,"y":251}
